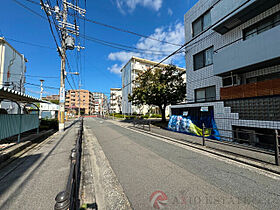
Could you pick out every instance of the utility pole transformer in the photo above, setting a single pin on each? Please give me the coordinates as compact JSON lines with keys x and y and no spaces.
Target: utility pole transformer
{"x":67,"y":43}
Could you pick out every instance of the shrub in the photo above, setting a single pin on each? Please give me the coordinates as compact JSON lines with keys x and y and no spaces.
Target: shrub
{"x":47,"y":124}
{"x":156,"y":116}
{"x":146,"y":116}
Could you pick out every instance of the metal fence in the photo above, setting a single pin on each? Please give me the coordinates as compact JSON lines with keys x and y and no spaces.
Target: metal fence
{"x":229,"y":142}
{"x":69,"y":198}
{"x":237,"y":133}
{"x":15,"y":124}
{"x":142,"y":123}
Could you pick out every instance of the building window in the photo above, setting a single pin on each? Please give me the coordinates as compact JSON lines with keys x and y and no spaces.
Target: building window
{"x":261,"y":78}
{"x":262,"y":26}
{"x":202,"y":23}
{"x":204,"y":58}
{"x":205,"y":94}
{"x":230,"y":81}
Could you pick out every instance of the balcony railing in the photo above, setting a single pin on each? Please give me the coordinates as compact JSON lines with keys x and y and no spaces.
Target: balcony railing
{"x":264,"y":88}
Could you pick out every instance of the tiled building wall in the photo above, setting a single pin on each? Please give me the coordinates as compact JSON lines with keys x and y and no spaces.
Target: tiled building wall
{"x":204,"y":77}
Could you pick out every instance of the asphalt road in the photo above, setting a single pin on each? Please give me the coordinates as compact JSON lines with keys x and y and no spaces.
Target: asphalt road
{"x":189,"y":179}
{"x":33,"y":180}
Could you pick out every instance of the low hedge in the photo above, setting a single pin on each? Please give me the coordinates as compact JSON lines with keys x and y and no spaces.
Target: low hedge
{"x":47,"y":124}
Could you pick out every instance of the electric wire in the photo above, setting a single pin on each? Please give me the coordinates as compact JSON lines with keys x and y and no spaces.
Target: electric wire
{"x":48,"y":87}
{"x":117,"y":28}
{"x":109,"y":44}
{"x":188,"y":42}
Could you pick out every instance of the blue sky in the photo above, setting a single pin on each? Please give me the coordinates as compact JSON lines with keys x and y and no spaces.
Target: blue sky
{"x":100,"y":65}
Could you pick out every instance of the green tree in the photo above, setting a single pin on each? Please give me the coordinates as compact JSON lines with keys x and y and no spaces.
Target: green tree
{"x":159,"y":87}
{"x":55,"y":101}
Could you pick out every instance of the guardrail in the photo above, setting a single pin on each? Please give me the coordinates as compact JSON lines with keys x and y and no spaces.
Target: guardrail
{"x":69,"y":198}
{"x":142,"y":123}
{"x":275,"y":135}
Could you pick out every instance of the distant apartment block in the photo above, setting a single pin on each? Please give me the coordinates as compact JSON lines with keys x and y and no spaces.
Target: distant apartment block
{"x":233,"y":65}
{"x":115,"y":100}
{"x":51,"y":98}
{"x":79,"y":98}
{"x":101,"y":106}
{"x":129,"y":73}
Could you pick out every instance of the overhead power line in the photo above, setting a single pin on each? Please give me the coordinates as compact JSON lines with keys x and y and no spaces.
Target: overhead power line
{"x":37,"y":85}
{"x":30,"y":10}
{"x":50,"y":24}
{"x":29,"y":43}
{"x":118,"y":44}
{"x":190,"y":41}
{"x":28,"y":75}
{"x":127,"y":31}
{"x":107,"y":43}
{"x":115,"y":28}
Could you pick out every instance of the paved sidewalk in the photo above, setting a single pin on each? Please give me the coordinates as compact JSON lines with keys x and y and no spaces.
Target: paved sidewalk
{"x":252,"y":156}
{"x":33,"y":180}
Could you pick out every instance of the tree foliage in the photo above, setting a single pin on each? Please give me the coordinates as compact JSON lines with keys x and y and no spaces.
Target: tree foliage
{"x":159,"y":87}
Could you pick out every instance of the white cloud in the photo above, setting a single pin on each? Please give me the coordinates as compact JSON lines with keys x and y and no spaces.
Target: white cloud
{"x":115,"y":69}
{"x":130,"y":5}
{"x":169,"y":12}
{"x":171,"y":34}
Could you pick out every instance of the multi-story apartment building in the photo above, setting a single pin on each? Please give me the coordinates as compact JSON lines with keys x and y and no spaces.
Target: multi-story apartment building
{"x":115,"y":100}
{"x":12,"y":72}
{"x":100,"y":103}
{"x":79,"y":98}
{"x":51,"y":98}
{"x":130,"y":72}
{"x":233,"y":65}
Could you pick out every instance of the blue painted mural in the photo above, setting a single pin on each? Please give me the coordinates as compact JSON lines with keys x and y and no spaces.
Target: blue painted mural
{"x":193,"y":125}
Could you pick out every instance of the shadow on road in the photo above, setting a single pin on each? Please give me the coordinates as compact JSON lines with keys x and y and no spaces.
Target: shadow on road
{"x":14,"y":171}
{"x":19,"y":171}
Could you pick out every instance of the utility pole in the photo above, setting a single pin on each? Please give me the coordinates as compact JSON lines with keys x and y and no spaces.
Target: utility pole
{"x":67,"y":43}
{"x":41,"y":96}
{"x":41,"y":92}
{"x":62,"y":69}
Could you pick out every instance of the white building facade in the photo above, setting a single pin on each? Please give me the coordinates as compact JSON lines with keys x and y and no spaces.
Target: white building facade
{"x":233,"y":64}
{"x":12,"y":72}
{"x":100,"y":103}
{"x":129,"y":73}
{"x":115,"y":100}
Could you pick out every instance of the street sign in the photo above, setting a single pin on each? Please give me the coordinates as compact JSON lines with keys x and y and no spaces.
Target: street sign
{"x":204,"y":109}
{"x":62,"y":95}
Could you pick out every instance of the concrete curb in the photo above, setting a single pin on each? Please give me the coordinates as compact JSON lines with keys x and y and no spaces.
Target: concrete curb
{"x":109,"y":193}
{"x":11,"y":151}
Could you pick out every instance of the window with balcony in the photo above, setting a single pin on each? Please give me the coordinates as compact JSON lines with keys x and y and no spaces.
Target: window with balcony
{"x":262,"y":26}
{"x":205,"y":94}
{"x":203,"y":58}
{"x":202,"y":23}
{"x":230,"y":81}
